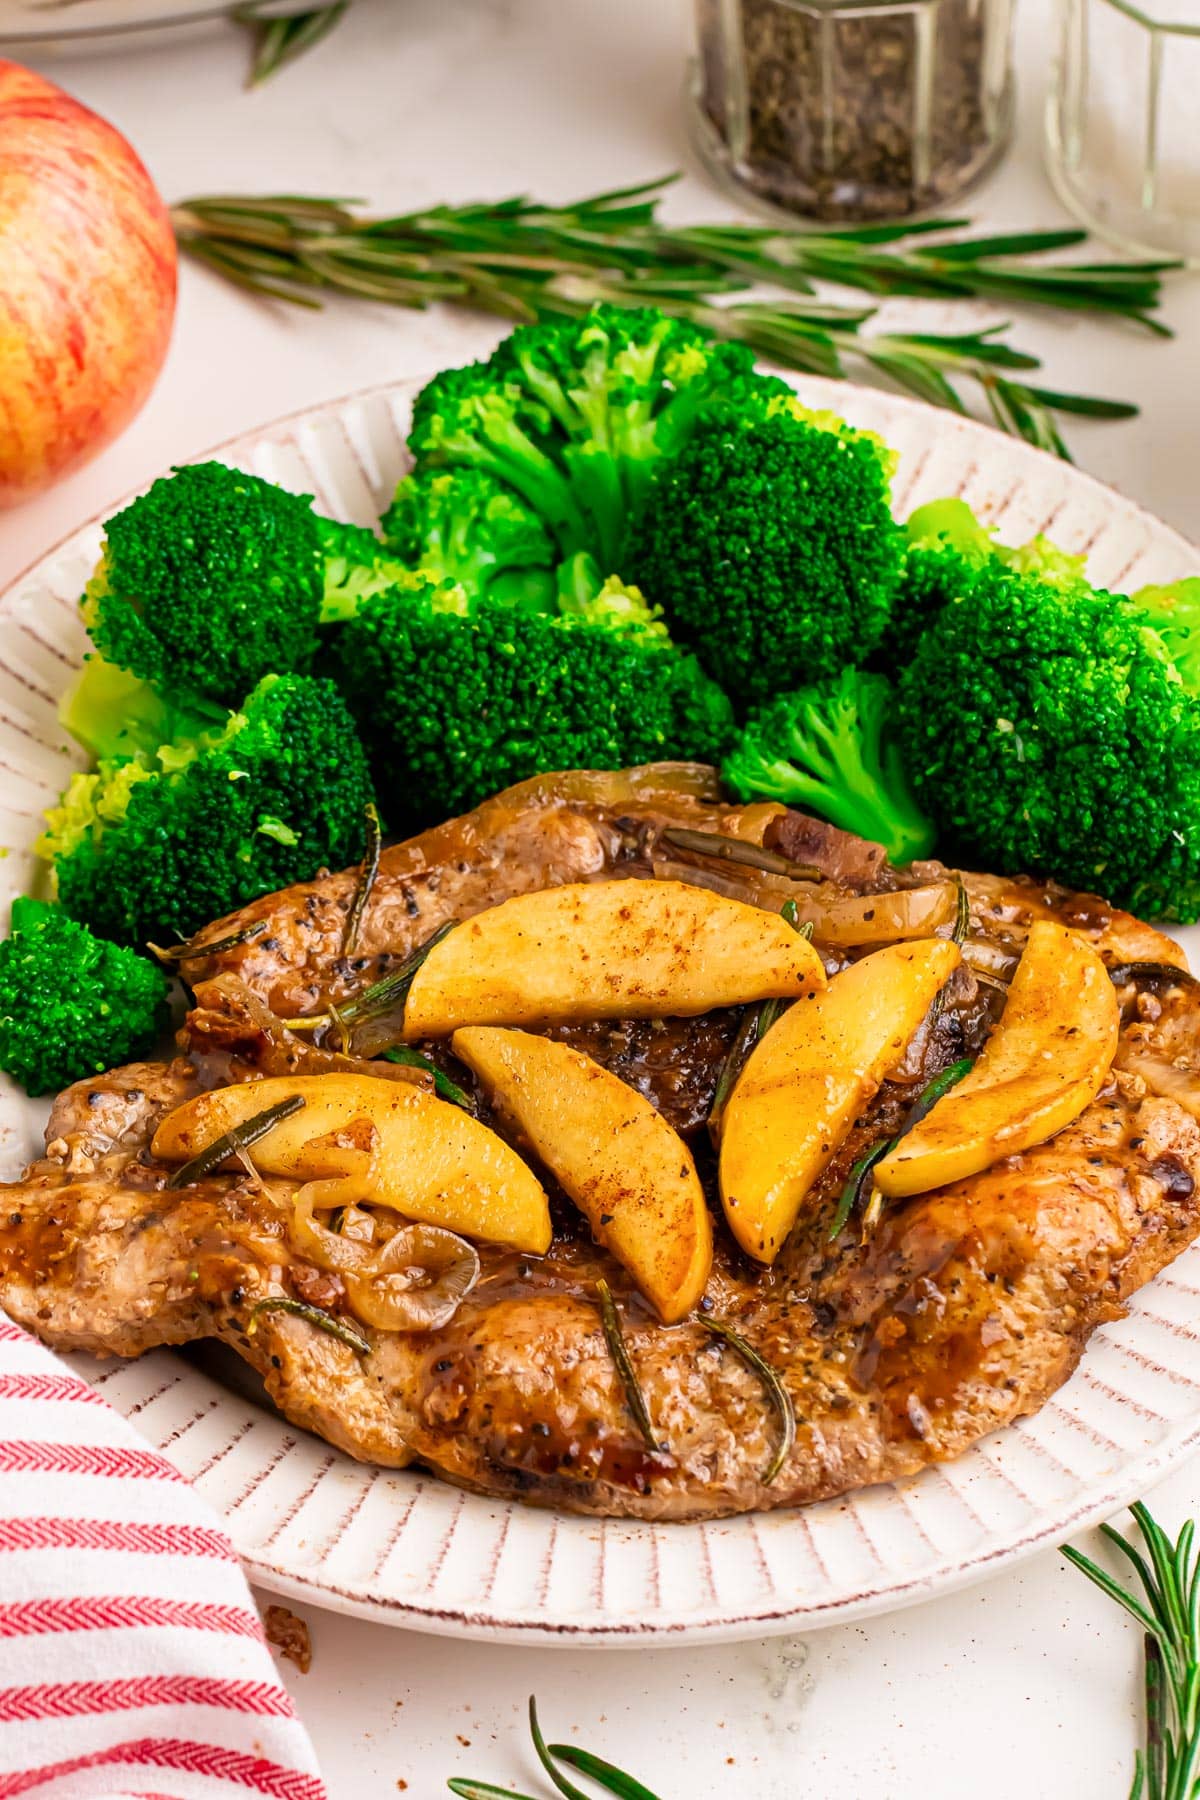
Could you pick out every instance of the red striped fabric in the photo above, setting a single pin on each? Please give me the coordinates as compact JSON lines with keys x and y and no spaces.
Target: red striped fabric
{"x":130,"y":1648}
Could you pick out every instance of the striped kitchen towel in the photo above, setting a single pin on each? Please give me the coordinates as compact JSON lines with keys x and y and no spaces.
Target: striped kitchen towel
{"x":132,"y":1661}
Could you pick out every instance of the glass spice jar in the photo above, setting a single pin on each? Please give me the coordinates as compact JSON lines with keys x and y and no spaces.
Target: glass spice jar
{"x":1122,"y":143}
{"x":877,"y":110}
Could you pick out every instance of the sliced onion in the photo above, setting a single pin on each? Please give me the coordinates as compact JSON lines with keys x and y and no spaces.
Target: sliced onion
{"x":1165,"y":1079}
{"x":849,"y":922}
{"x":417,"y":1280}
{"x":325,"y":1249}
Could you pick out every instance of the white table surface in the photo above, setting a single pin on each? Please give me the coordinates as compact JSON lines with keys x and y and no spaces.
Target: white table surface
{"x":1023,"y":1685}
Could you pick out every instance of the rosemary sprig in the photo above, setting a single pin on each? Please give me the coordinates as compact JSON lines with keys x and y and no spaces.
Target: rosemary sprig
{"x":1169,"y":1577}
{"x":177,"y":953}
{"x":522,"y":260}
{"x":618,"y":1349}
{"x":389,"y":991}
{"x":777,"y":1393}
{"x":856,"y":1181}
{"x":366,"y":878}
{"x":442,"y":1084}
{"x":277,"y":42}
{"x":233,"y":1142}
{"x":738,"y":850}
{"x":332,"y":1327}
{"x":604,"y":1774}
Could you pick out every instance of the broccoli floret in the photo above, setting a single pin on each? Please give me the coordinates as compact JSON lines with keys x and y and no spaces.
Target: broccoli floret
{"x":584,"y":593}
{"x":214,"y":578}
{"x":1048,"y":731}
{"x":72,"y":1005}
{"x":114,"y":714}
{"x":575,"y":414}
{"x":153,"y":847}
{"x":463,"y":526}
{"x":1173,"y":610}
{"x":772,"y":548}
{"x":947,"y":551}
{"x":829,"y":749}
{"x":453,"y":707}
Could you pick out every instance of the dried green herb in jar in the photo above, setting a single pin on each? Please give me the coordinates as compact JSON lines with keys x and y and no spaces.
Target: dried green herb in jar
{"x":843,"y":112}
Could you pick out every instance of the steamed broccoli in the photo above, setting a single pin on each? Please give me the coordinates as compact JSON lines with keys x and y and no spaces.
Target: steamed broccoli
{"x":947,"y":551}
{"x":70,"y":1004}
{"x":214,"y":578}
{"x":583,"y":593}
{"x":155,"y":846}
{"x":575,"y":414}
{"x":453,"y":707}
{"x":771,"y":546}
{"x":1047,"y":729}
{"x":464,"y":526}
{"x":114,"y":714}
{"x":1174,"y":612}
{"x":829,"y":749}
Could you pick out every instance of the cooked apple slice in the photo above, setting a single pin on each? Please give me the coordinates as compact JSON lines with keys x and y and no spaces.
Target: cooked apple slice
{"x":817,"y":1067}
{"x":429,"y":1160}
{"x":631,"y":1176}
{"x":1046,"y":1060}
{"x":607,"y":950}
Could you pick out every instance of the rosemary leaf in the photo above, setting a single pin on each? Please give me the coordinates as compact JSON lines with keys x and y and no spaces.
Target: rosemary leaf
{"x":738,"y":850}
{"x":278,"y":42}
{"x":176,"y":953}
{"x":467,"y":1789}
{"x":366,"y":879}
{"x":567,"y":1788}
{"x":335,"y":1328}
{"x":388,"y":991}
{"x":635,"y":1400}
{"x":777,"y":1393}
{"x":235,"y":1141}
{"x":736,"y":1056}
{"x":852,"y":1193}
{"x":605,"y":1774}
{"x":442,"y":1084}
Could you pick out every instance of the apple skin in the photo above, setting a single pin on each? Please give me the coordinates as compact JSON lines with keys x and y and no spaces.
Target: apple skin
{"x":87,"y":283}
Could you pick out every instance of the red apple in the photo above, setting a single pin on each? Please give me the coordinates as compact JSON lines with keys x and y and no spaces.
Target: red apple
{"x":87,"y":283}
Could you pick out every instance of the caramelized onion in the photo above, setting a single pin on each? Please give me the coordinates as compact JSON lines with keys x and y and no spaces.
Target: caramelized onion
{"x":852,"y":921}
{"x":415,"y":1283}
{"x":1165,"y":1079}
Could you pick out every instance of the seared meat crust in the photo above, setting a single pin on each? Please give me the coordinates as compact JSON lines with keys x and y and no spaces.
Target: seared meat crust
{"x":962,"y":1310}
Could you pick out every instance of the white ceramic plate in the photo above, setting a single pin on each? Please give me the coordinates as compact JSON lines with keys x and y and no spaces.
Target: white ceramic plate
{"x":53,"y":21}
{"x":408,"y":1549}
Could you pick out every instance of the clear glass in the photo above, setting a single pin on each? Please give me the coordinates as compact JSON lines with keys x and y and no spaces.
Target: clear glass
{"x":878,"y":110}
{"x":1122,"y":133}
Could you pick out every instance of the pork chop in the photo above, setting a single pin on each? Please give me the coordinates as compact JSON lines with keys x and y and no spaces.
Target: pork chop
{"x":960,"y":1311}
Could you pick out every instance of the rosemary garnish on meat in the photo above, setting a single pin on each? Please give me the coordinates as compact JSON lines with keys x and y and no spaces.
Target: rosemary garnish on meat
{"x":856,"y":1181}
{"x":523,"y":260}
{"x":389,"y":991}
{"x":335,"y":1328}
{"x":618,"y":1349}
{"x":366,"y":878}
{"x":235,"y":1141}
{"x":177,"y":953}
{"x":772,"y":1381}
{"x":756,"y":1022}
{"x":738,"y":850}
{"x":442,"y":1084}
{"x":1169,"y":1766}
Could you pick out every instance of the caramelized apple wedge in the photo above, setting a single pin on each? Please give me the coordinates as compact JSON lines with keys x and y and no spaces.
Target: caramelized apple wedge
{"x":428,"y":1160}
{"x":803,"y":1085}
{"x":607,"y":950}
{"x":1045,"y":1061}
{"x":628,"y":1172}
